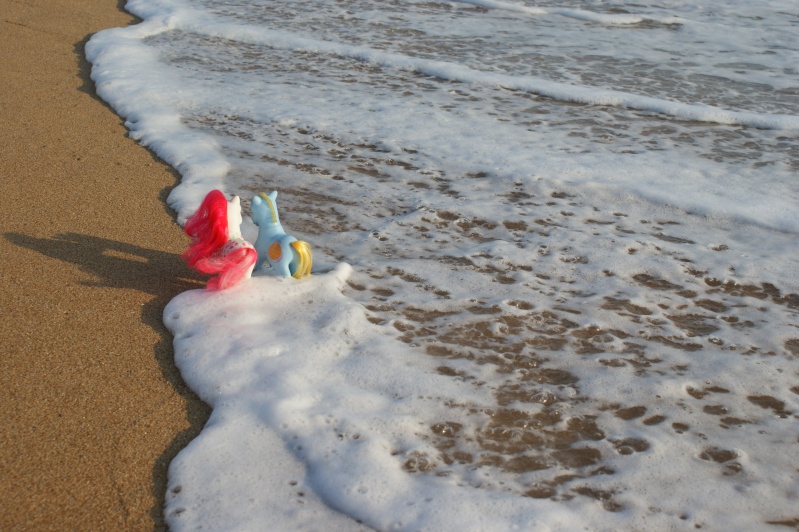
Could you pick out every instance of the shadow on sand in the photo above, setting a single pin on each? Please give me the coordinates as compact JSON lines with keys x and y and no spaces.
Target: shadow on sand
{"x":127,"y":266}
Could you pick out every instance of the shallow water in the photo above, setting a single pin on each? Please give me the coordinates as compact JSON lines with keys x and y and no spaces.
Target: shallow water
{"x":580,"y":217}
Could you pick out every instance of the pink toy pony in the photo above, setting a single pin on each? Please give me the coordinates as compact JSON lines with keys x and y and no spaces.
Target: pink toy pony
{"x":217,"y":246}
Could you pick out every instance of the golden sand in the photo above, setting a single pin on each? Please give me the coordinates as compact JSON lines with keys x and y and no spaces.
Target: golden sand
{"x":93,"y":408}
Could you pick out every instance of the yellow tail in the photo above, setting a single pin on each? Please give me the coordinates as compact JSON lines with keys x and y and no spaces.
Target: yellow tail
{"x":305,"y":255}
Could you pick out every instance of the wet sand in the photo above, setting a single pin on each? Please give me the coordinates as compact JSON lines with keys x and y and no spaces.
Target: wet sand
{"x":93,"y":406}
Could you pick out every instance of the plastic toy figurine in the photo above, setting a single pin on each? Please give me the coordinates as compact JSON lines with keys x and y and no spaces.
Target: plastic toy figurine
{"x":217,"y":246}
{"x":278,"y":253}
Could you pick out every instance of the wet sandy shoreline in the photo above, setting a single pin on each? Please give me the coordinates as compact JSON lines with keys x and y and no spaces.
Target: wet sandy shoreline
{"x":94,"y":408}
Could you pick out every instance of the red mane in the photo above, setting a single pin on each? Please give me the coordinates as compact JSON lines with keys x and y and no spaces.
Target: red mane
{"x":209,"y":232}
{"x":232,"y":267}
{"x":207,"y":228}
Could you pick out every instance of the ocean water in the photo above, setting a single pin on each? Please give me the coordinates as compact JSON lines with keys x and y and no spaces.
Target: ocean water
{"x":556,"y":254}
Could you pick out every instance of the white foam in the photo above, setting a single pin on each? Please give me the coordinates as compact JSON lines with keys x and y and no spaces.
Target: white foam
{"x":324,"y":405}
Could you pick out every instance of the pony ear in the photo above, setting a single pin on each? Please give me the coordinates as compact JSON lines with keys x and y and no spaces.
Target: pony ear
{"x":257,"y":200}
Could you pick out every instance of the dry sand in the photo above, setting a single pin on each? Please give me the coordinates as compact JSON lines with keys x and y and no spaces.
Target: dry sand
{"x":93,"y":407}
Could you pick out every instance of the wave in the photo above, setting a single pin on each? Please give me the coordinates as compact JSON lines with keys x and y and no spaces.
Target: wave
{"x":460,"y":73}
{"x":581,"y":14}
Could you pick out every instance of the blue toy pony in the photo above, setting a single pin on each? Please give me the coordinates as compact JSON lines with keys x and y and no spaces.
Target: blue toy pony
{"x":278,"y":253}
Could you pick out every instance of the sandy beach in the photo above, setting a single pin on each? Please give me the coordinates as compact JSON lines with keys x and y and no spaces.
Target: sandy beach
{"x":94,"y":409}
